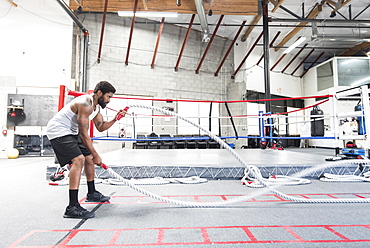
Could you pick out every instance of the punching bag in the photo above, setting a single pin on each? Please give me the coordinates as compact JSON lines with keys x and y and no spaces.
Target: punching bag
{"x":317,"y":126}
{"x":360,"y":120}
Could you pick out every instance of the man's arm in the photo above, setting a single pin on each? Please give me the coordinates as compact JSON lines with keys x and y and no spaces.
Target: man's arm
{"x":83,"y":112}
{"x":102,"y":125}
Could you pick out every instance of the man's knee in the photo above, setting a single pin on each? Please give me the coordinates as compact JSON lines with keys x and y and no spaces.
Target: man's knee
{"x":78,"y":161}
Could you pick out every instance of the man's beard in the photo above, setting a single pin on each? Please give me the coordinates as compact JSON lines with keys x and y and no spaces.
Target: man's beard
{"x":101,"y":102}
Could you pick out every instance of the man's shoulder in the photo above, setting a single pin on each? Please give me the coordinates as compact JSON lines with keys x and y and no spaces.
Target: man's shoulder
{"x":83,"y":100}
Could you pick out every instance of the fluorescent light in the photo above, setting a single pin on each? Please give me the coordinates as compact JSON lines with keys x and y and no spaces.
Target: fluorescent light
{"x":359,"y":82}
{"x":295,"y":44}
{"x":348,"y":61}
{"x":147,"y":14}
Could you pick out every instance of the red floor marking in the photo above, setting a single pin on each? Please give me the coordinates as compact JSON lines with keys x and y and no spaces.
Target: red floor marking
{"x":204,"y":231}
{"x":289,"y":230}
{"x":205,"y":236}
{"x":197,"y":198}
{"x":336,"y":233}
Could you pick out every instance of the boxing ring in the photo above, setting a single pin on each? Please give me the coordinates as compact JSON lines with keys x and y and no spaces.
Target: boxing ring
{"x":212,"y":162}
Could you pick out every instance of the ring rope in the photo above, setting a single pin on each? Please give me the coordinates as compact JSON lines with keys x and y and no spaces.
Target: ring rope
{"x":258,"y":177}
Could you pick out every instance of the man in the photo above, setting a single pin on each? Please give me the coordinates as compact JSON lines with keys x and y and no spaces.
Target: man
{"x":69,"y":137}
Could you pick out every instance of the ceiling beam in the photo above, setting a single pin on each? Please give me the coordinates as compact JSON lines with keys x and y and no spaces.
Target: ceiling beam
{"x":338,"y":5}
{"x":131,"y":32}
{"x":276,"y":4}
{"x":305,"y":58}
{"x":228,"y":50}
{"x":312,"y":64}
{"x":184,"y":43}
{"x":102,"y":29}
{"x":209,"y":44}
{"x":356,"y":49}
{"x":292,"y":33}
{"x":295,"y":56}
{"x":255,"y":21}
{"x":218,"y":7}
{"x":246,"y":56}
{"x":12,"y":3}
{"x":157,"y":43}
{"x":271,"y":45}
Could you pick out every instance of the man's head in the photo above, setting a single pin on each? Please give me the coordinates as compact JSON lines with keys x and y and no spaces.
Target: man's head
{"x":104,"y":90}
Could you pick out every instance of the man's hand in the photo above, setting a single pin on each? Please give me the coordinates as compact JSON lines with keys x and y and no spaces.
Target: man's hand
{"x":121,"y":113}
{"x":97,"y":160}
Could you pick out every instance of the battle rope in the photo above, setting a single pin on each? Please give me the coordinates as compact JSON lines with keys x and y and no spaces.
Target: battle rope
{"x":362,"y":177}
{"x":258,"y":177}
{"x":157,"y":181}
{"x":249,"y":180}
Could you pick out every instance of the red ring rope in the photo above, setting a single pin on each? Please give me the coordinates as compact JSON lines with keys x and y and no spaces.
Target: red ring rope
{"x":75,"y":93}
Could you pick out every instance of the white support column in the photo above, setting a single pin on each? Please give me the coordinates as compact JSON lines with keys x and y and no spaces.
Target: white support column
{"x":334,"y":120}
{"x":366,"y":109}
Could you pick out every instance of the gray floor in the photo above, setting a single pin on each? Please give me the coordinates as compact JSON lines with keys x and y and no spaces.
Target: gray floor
{"x":31,"y":212}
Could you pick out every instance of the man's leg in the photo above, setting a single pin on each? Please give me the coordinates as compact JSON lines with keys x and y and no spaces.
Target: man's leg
{"x":74,"y":210}
{"x":92,"y":195}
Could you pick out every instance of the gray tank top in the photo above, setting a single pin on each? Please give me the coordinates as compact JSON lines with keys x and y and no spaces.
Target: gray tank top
{"x":65,"y":121}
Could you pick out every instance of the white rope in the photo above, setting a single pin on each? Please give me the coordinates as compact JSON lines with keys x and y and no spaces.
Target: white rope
{"x":249,"y":180}
{"x":258,"y":177}
{"x":157,"y":181}
{"x":327,"y":177}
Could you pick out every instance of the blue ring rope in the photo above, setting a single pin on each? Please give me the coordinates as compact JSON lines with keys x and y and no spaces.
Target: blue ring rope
{"x":198,"y":138}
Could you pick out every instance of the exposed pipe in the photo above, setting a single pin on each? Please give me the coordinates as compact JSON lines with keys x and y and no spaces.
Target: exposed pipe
{"x":266,"y":52}
{"x":86,"y":43}
{"x":319,"y":20}
{"x":84,"y":65}
{"x":253,"y":25}
{"x":72,"y":15}
{"x":203,"y":19}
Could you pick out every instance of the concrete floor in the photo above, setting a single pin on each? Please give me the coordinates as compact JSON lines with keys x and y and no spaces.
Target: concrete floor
{"x":31,"y":213}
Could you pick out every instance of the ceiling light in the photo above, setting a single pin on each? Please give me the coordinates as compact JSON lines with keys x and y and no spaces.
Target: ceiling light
{"x":295,"y":44}
{"x":147,"y":14}
{"x":359,"y":82}
{"x":348,"y":61}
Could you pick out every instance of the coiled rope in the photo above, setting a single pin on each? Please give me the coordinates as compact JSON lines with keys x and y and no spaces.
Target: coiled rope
{"x":249,"y":180}
{"x":257,"y":176}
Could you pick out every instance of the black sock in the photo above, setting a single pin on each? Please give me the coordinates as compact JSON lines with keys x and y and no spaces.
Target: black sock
{"x":91,"y":187}
{"x":73,"y":197}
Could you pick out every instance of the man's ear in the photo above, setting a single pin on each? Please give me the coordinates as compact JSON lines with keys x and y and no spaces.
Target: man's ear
{"x":99,"y":93}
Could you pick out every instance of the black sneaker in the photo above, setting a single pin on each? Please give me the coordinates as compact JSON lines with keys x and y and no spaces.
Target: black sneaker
{"x":97,"y":197}
{"x":77,"y":212}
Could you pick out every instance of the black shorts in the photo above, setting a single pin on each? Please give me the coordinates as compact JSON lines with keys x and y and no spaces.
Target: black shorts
{"x":67,"y":148}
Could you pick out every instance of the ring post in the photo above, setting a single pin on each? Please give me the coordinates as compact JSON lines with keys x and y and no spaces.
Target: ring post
{"x":62,"y":95}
